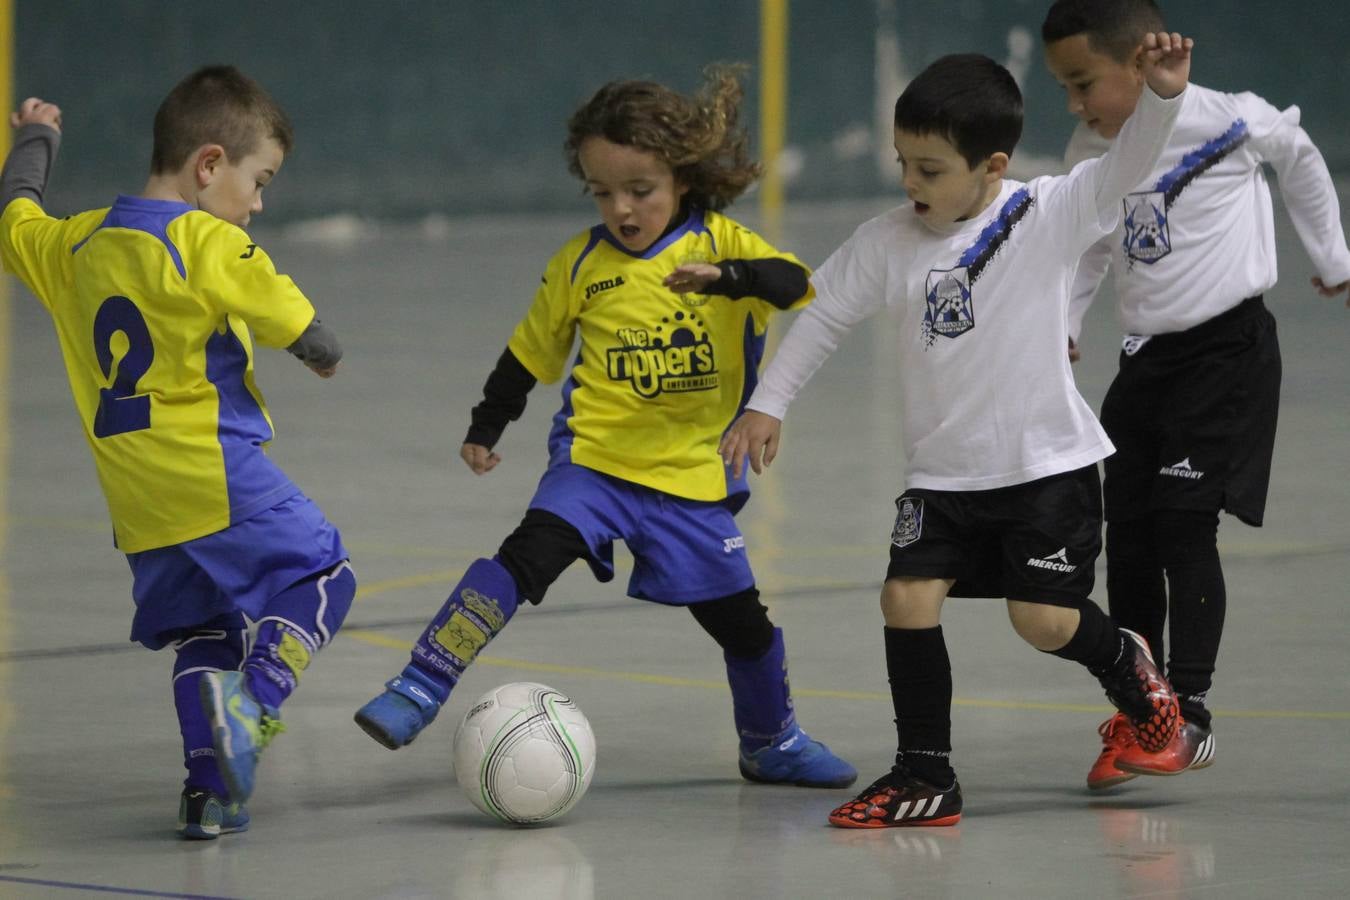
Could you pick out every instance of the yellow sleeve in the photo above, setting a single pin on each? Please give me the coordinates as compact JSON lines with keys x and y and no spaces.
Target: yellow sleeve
{"x":37,"y":248}
{"x":237,"y":277}
{"x":543,"y":339}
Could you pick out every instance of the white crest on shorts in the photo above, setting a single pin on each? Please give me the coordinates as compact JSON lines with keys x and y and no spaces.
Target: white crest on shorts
{"x":909,"y":521}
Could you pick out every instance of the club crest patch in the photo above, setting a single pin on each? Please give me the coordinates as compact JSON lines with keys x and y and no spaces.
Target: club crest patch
{"x":1147,"y":239}
{"x":908,"y":521}
{"x":950,"y":312}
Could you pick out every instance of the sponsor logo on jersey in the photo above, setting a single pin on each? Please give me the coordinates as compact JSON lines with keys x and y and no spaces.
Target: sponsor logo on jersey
{"x":1182,"y":470}
{"x":908,"y":521}
{"x":733,"y":543}
{"x":674,"y":357}
{"x":248,"y":251}
{"x":604,"y":284}
{"x":1055,"y":562}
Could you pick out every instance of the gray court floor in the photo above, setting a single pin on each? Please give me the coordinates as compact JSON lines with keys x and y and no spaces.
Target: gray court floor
{"x":89,"y":755}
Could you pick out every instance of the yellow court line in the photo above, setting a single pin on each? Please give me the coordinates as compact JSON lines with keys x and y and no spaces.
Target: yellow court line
{"x":448,"y":577}
{"x":379,"y":640}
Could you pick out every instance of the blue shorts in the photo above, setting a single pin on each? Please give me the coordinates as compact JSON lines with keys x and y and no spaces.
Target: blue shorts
{"x":684,"y":551}
{"x":238,"y":569}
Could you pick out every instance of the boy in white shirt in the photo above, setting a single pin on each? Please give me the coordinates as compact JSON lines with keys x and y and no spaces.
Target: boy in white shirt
{"x":1192,"y":410}
{"x":1002,"y":496}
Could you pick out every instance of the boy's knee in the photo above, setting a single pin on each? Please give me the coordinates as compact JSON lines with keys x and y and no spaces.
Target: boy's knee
{"x":1043,"y":626}
{"x":913,"y":603}
{"x":739,"y":623}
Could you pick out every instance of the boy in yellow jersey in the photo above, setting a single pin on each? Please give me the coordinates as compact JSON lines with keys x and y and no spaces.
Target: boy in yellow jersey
{"x":155,"y":300}
{"x":671,"y":300}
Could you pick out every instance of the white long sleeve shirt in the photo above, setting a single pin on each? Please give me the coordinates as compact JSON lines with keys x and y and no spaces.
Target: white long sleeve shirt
{"x":987,"y":399}
{"x":1198,"y":233}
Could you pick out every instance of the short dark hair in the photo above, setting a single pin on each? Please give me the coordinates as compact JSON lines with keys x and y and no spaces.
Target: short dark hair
{"x":1113,"y":27}
{"x":970,"y":100}
{"x":216,"y":105}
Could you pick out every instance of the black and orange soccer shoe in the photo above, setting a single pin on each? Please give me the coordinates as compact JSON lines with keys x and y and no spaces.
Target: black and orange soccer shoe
{"x":898,"y":799}
{"x":1191,"y":748}
{"x":1136,"y":687}
{"x":1117,"y":738}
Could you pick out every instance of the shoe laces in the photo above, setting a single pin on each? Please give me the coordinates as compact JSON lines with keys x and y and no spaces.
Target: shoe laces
{"x":269,"y":728}
{"x":1116,"y":730}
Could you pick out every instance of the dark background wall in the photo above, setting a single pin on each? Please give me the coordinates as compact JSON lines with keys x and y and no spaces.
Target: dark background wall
{"x":411,"y":107}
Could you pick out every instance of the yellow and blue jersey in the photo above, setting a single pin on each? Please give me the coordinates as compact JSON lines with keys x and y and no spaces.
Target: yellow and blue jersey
{"x":153,"y":302}
{"x":659,"y":376}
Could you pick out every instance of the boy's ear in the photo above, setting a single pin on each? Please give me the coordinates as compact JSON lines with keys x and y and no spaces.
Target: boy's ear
{"x":996,"y":167}
{"x":206,"y":162}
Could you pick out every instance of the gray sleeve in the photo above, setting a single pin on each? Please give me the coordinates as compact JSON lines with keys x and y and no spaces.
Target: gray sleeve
{"x":29,"y":164}
{"x":318,"y":346}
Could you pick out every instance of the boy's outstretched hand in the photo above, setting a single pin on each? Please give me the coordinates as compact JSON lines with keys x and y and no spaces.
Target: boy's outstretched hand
{"x":35,"y":111}
{"x":1167,"y":63}
{"x":754,"y":434}
{"x":1331,"y":290}
{"x":692,"y":277}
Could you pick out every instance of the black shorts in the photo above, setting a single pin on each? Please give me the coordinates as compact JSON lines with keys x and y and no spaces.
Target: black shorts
{"x":1036,"y":541}
{"x":1192,"y":415}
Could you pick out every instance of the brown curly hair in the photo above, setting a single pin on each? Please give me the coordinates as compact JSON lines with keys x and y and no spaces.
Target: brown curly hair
{"x":696,"y":136}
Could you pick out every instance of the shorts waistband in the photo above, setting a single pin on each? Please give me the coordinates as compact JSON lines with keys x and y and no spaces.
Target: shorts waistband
{"x":1220,"y":323}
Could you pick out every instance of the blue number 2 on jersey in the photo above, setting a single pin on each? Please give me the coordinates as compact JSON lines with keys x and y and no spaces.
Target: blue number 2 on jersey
{"x":119,"y":410}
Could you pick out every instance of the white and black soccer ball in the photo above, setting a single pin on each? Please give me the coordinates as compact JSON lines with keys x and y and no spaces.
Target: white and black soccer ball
{"x":524,"y":753}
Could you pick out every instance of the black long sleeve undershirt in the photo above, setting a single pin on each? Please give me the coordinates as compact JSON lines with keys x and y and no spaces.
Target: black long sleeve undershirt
{"x":504,"y":397}
{"x":779,"y":281}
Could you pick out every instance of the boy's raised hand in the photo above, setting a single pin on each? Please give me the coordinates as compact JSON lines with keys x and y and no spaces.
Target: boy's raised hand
{"x":754,"y":434}
{"x":36,"y":111}
{"x":1167,"y":63}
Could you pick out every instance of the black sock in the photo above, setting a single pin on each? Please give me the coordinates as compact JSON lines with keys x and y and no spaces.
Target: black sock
{"x":1188,"y":546}
{"x":1097,"y":644}
{"x":921,"y":693}
{"x":1135,"y":592}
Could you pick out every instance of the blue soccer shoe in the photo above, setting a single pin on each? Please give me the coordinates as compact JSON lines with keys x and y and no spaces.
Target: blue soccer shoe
{"x":398,"y":715}
{"x":798,"y":760}
{"x":241,"y":728}
{"x":203,"y":816}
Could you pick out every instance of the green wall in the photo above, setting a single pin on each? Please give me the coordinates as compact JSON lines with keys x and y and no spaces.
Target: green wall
{"x":408,"y":107}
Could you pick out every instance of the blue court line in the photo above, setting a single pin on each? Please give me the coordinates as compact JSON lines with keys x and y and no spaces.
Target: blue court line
{"x":135,"y":892}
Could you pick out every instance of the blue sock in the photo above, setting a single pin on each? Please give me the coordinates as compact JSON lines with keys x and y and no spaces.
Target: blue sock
{"x":761,"y":701}
{"x":295,"y":625}
{"x":476,"y":610}
{"x":216,"y":646}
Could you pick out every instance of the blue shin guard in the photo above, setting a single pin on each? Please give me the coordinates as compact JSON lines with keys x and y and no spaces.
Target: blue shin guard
{"x":295,"y":625}
{"x":774,"y":749}
{"x":216,"y":646}
{"x":476,"y":610}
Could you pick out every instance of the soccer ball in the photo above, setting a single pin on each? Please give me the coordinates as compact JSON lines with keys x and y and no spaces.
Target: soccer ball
{"x":524,"y":753}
